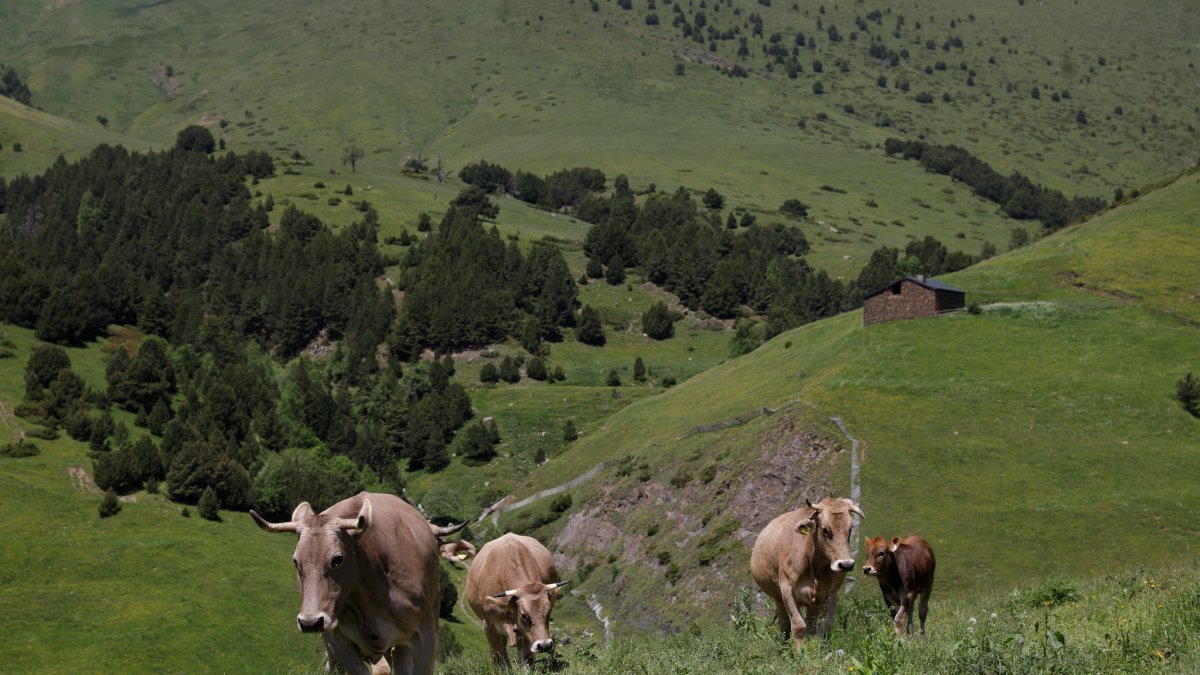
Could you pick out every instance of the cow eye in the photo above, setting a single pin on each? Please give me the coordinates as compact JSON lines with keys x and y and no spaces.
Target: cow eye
{"x":296,"y":563}
{"x":828,"y":532}
{"x":336,"y":561}
{"x":525,"y":618}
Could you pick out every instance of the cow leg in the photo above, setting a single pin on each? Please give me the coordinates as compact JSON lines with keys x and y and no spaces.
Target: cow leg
{"x":904,"y":616}
{"x":402,"y":660}
{"x":781,"y":620}
{"x":342,"y":654}
{"x":799,"y":628}
{"x":499,"y":645}
{"x":924,"y":607}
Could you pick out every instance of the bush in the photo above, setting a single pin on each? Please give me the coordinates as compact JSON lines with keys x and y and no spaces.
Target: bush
{"x":536,"y":369}
{"x":1187,"y":390}
{"x":449,"y":594}
{"x":613,"y":379}
{"x":794,"y":208}
{"x":110,"y":505}
{"x":657,"y":323}
{"x":20,"y":448}
{"x":561,"y":502}
{"x":209,"y":505}
{"x":570,"y":433}
{"x":488,"y":374}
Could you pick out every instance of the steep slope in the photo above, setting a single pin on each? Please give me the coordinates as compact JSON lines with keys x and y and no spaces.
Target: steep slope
{"x":1014,"y":440}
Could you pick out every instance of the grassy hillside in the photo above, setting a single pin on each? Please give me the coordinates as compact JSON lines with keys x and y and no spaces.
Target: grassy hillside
{"x":539,"y":86}
{"x":1012,"y":440}
{"x":1142,"y":621}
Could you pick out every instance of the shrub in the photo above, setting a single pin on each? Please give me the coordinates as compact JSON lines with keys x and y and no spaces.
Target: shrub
{"x":561,"y":502}
{"x":488,"y":374}
{"x":1051,"y":592}
{"x":449,"y":594}
{"x":794,"y":208}
{"x":110,"y":505}
{"x":613,"y":379}
{"x":657,"y":323}
{"x":536,"y":369}
{"x":570,"y":433}
{"x":19,"y":448}
{"x":1187,"y":390}
{"x":209,"y":505}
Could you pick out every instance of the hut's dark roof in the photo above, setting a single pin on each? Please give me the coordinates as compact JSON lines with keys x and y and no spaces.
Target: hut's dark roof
{"x":932,"y":284}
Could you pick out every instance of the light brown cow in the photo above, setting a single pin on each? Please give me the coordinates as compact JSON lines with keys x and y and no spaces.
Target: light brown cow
{"x":512,"y":586}
{"x":368,"y":580}
{"x":454,"y":551}
{"x":801,"y":559}
{"x":904,"y":569}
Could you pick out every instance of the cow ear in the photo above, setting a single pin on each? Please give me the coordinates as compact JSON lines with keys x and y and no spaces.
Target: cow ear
{"x":503,"y":599}
{"x":303,"y":510}
{"x":895,"y":544}
{"x":364,"y":517}
{"x":805,"y":527}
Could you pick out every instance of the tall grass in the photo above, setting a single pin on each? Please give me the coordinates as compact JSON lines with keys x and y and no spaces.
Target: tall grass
{"x":1133,"y":622}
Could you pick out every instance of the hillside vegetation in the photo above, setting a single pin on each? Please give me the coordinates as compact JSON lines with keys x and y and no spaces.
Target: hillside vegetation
{"x":1013,"y":440}
{"x":309,"y":295}
{"x":539,"y":86}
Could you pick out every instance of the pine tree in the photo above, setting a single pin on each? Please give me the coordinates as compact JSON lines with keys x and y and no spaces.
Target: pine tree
{"x":110,"y":505}
{"x":536,"y":369}
{"x":209,"y":505}
{"x":639,"y":370}
{"x":569,"y":431}
{"x":488,"y":374}
{"x":588,"y":329}
{"x":613,"y":379}
{"x":509,"y":370}
{"x":656,"y":322}
{"x":615,"y":274}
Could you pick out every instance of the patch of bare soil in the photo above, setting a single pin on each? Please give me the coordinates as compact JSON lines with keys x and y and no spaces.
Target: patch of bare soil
{"x":82,"y":481}
{"x":788,"y":466}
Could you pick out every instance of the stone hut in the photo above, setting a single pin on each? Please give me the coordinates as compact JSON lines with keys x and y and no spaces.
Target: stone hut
{"x":911,"y":298}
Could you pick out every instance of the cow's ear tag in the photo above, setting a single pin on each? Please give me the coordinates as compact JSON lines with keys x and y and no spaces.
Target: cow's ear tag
{"x":805,"y":530}
{"x":462,"y":555}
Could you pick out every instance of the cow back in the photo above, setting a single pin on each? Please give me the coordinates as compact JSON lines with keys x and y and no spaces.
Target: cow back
{"x":507,"y":562}
{"x":915,"y":563}
{"x":399,"y":554}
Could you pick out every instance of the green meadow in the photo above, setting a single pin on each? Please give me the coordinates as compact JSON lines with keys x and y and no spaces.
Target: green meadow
{"x":1036,"y":444}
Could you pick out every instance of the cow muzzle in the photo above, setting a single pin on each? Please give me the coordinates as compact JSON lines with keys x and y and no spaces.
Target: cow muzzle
{"x":844,"y":565}
{"x":546,"y":645}
{"x":869,"y":571}
{"x":317,"y":623}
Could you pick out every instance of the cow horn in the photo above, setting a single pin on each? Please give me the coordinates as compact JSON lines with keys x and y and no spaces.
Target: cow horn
{"x":507,"y":593}
{"x":551,"y":587}
{"x":447,"y":530}
{"x":854,"y":509}
{"x":290,"y":526}
{"x":809,"y":503}
{"x":358,"y":522}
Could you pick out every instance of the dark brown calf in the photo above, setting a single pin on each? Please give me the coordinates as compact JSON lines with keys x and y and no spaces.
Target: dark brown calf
{"x":904,"y":570}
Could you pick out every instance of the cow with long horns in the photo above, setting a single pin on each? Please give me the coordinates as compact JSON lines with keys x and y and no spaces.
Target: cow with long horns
{"x":800,"y":559}
{"x":368,"y":577}
{"x":512,"y":586}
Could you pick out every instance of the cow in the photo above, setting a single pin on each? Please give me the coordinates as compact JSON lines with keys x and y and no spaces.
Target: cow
{"x":800,"y":559}
{"x":511,"y":587}
{"x":368,"y":578}
{"x":904,"y":569}
{"x":454,"y":551}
